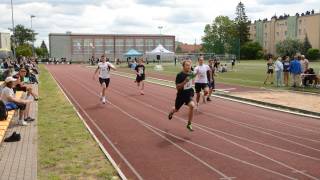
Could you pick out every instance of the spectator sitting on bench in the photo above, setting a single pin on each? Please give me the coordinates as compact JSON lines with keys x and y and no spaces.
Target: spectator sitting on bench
{"x":310,"y":77}
{"x":20,"y":84}
{"x":12,"y":103}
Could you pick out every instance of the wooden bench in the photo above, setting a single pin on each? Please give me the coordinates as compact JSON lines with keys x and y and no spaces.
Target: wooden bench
{"x":4,"y":125}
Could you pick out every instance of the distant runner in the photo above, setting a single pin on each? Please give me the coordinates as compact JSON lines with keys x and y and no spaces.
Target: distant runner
{"x":104,"y":76}
{"x":185,"y":92}
{"x":140,"y":71}
{"x":201,"y":81}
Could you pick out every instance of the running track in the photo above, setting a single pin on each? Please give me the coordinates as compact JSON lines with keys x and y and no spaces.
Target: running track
{"x":230,"y":141}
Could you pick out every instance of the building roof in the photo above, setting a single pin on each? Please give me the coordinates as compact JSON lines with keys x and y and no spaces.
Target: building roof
{"x":190,"y":48}
{"x":119,"y":35}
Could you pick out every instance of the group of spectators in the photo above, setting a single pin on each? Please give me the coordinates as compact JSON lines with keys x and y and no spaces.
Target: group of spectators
{"x":18,"y":75}
{"x":297,"y":69}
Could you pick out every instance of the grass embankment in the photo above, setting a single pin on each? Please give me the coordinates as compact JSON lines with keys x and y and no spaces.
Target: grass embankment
{"x":66,"y":150}
{"x":246,"y":73}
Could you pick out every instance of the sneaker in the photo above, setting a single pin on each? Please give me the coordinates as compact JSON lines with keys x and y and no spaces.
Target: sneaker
{"x":170,"y":115}
{"x":141,"y":92}
{"x":208,"y":99}
{"x":13,"y":138}
{"x":104,"y":100}
{"x":29,"y":119}
{"x":22,"y":123}
{"x":189,"y":126}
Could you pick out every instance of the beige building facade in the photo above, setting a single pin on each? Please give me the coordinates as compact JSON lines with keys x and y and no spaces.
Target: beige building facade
{"x":5,"y":41}
{"x":269,"y":32}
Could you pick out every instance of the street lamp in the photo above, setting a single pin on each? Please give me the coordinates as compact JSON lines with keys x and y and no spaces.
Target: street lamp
{"x":32,"y":16}
{"x":13,"y":31}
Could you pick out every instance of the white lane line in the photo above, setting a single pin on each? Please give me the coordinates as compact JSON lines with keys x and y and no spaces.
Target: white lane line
{"x":195,"y":143}
{"x":151,"y":128}
{"x":252,"y":126}
{"x":121,"y":174}
{"x":243,"y":102}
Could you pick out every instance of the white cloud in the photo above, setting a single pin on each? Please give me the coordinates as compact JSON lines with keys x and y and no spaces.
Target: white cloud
{"x":184,"y":18}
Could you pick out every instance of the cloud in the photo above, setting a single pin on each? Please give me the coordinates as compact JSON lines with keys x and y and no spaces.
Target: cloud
{"x":274,"y":2}
{"x":183,"y":18}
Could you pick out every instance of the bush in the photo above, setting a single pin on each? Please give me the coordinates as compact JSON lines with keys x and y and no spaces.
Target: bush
{"x":251,"y":50}
{"x":313,"y":54}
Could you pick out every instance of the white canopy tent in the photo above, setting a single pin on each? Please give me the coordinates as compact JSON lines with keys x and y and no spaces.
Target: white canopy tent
{"x":160,"y":52}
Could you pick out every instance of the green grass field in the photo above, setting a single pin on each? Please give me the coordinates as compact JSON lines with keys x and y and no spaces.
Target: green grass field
{"x":246,"y":73}
{"x":66,"y":149}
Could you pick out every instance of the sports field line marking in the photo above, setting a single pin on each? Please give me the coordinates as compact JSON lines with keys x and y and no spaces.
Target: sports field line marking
{"x":232,"y":142}
{"x":151,"y":128}
{"x":225,"y":155}
{"x":114,"y":164}
{"x":314,"y":158}
{"x":239,"y":101}
{"x":287,"y":134}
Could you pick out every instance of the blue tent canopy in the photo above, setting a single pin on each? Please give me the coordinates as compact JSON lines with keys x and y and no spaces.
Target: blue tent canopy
{"x":133,"y":53}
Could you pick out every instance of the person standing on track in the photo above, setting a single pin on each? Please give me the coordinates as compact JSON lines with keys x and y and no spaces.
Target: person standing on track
{"x":140,"y":71}
{"x":201,"y":81}
{"x":211,"y":81}
{"x":185,"y":92}
{"x":104,"y":76}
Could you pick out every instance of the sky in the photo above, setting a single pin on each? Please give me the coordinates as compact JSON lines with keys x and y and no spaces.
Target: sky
{"x":185,"y":19}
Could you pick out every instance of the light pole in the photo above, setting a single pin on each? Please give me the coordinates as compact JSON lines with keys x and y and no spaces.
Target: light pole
{"x":13,"y":31}
{"x":32,"y":16}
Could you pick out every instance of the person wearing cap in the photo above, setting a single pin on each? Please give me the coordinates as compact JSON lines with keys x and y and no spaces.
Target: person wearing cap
{"x":8,"y":97}
{"x":20,"y":86}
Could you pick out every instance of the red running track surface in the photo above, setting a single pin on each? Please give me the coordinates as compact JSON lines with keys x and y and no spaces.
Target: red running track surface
{"x":230,"y":141}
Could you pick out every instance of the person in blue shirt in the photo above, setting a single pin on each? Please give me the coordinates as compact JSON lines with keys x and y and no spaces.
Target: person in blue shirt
{"x":295,"y":70}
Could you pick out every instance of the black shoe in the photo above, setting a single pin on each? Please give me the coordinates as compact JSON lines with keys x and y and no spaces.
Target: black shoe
{"x":13,"y":138}
{"x":36,"y":99}
{"x":29,"y":119}
{"x":208,"y":99}
{"x":170,"y":115}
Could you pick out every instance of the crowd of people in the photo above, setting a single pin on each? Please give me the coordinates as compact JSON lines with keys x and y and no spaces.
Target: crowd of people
{"x":298,"y":69}
{"x":19,"y":75}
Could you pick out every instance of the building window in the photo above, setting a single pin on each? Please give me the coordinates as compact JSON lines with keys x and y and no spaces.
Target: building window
{"x":255,"y":27}
{"x":300,"y":21}
{"x":168,"y":44}
{"x":278,"y":33}
{"x":265,"y":44}
{"x":109,"y":46}
{"x":286,"y":24}
{"x":129,"y":44}
{"x":119,"y":46}
{"x":285,"y":33}
{"x":139,"y":45}
{"x":299,"y":31}
{"x":265,"y":35}
{"x":149,"y":44}
{"x":98,"y":44}
{"x":265,"y":25}
{"x":88,"y":46}
{"x":77,"y":46}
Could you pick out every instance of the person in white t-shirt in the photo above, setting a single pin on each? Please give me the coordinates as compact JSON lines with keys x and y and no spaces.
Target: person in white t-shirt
{"x":201,"y":80}
{"x":104,"y":76}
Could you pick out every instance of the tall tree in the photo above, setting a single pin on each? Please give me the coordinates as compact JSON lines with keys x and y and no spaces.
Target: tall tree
{"x":242,"y":23}
{"x":23,"y":35}
{"x":44,"y":48}
{"x":306,"y":45}
{"x":219,"y":36}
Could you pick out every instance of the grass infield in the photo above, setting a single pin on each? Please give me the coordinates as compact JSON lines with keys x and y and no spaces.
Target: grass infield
{"x":66,"y":150}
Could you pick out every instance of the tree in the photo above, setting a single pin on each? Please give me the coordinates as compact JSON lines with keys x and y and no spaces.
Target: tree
{"x":178,"y":49}
{"x":23,"y":35}
{"x":306,"y":45}
{"x":242,"y":23}
{"x":44,"y":48}
{"x":220,"y":36}
{"x":251,"y":50}
{"x":313,"y":54}
{"x":24,"y":50}
{"x":289,"y":47}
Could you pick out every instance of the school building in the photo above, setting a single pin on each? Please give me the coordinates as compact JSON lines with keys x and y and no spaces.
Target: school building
{"x":81,"y":47}
{"x":269,"y":32}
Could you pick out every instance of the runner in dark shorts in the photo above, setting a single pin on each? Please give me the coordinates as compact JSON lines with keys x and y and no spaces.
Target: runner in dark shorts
{"x":141,"y":76}
{"x":211,"y":80}
{"x":201,"y":80}
{"x":269,"y":71}
{"x":185,"y":92}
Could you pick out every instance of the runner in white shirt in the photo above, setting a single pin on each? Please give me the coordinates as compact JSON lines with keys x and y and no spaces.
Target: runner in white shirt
{"x":201,"y":80}
{"x":104,"y":76}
